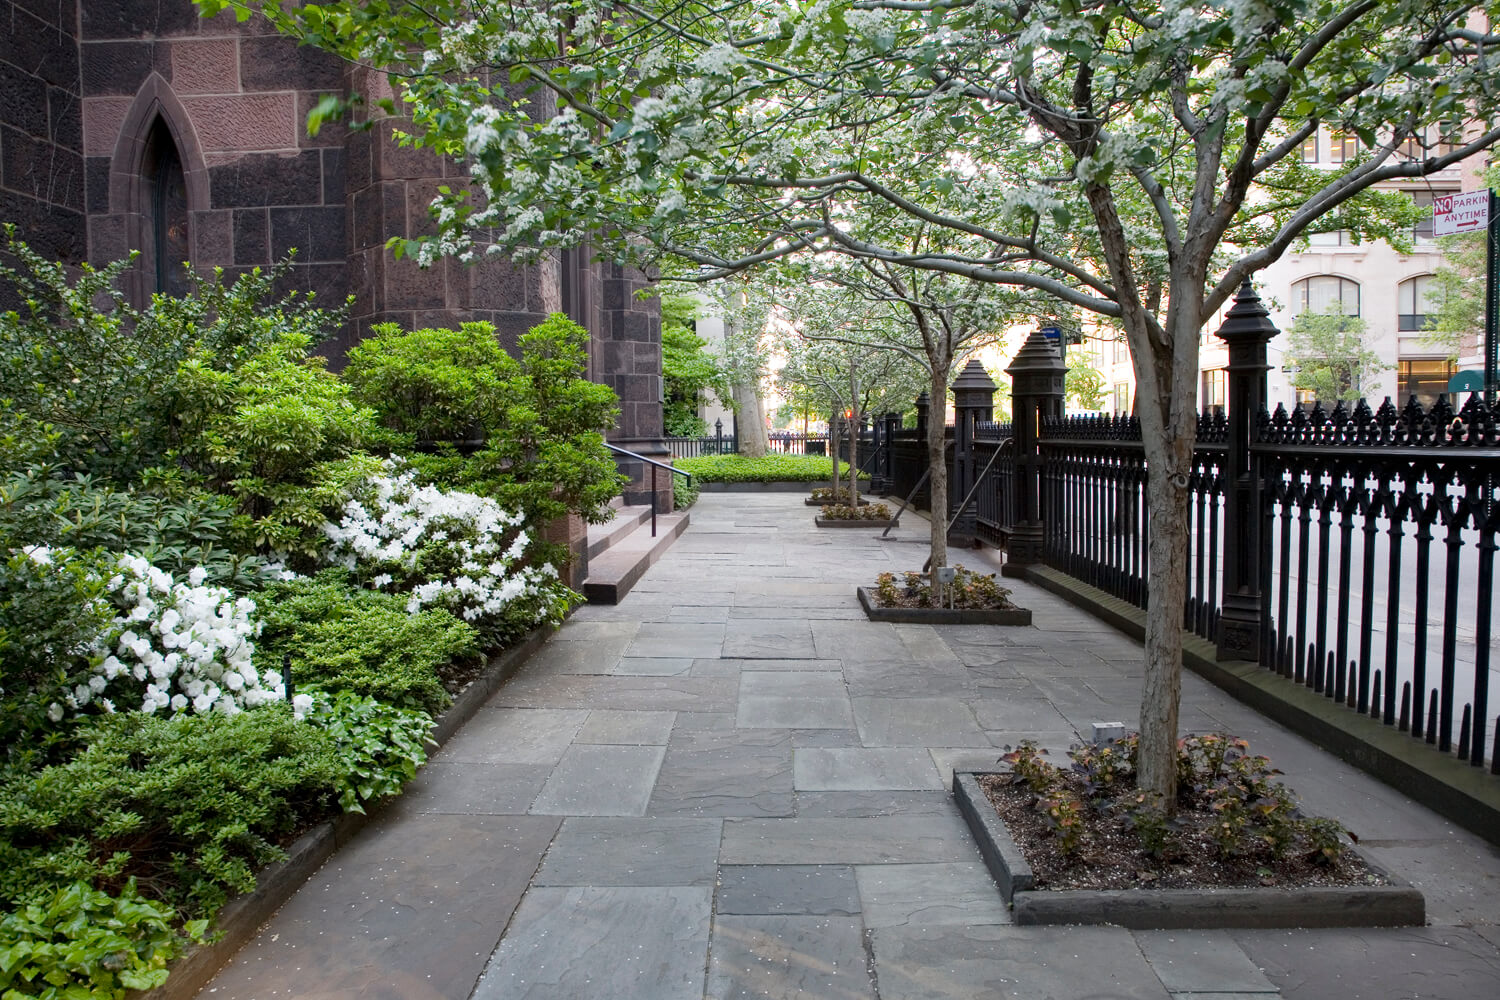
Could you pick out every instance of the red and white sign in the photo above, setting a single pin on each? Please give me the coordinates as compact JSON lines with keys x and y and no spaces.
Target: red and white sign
{"x":1460,"y":213}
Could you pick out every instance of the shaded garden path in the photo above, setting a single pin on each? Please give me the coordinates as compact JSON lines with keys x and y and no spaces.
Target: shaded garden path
{"x":731,"y":784}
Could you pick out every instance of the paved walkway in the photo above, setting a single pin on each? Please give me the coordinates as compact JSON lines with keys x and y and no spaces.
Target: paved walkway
{"x":732,"y":785}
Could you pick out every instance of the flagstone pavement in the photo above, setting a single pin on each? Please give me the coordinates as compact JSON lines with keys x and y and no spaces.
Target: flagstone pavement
{"x":733,"y":785}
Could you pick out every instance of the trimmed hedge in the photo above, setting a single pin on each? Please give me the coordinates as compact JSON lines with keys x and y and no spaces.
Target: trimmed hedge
{"x":770,"y":469}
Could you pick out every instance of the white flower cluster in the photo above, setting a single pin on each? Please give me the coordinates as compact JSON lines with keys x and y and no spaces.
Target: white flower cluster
{"x":447,"y":549}
{"x":179,"y":647}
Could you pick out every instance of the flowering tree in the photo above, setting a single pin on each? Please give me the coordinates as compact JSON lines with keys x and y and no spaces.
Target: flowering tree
{"x":1139,"y":161}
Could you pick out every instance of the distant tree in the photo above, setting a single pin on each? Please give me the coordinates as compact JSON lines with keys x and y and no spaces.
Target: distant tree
{"x":1455,"y":301}
{"x":1330,"y":356}
{"x":688,"y":369}
{"x":1084,"y":384}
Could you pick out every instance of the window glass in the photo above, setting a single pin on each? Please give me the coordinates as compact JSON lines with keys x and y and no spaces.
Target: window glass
{"x":1413,"y":299}
{"x":1326,"y":293}
{"x":1424,"y":378}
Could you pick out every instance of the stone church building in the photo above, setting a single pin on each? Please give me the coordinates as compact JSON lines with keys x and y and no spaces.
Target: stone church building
{"x":136,"y":124}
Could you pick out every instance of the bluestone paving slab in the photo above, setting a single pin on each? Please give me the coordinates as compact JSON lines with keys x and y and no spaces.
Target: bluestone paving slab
{"x":885,"y":677}
{"x":598,"y":656}
{"x":856,"y":769}
{"x":592,"y":850}
{"x":929,"y":894}
{"x":1018,"y":714}
{"x":734,"y":665}
{"x":964,"y":759}
{"x":789,"y":638}
{"x":954,"y":962}
{"x":361,"y":926}
{"x":785,"y":957}
{"x":834,"y":841}
{"x":787,"y":889}
{"x":619,"y":942}
{"x":442,"y":786}
{"x":653,"y":666}
{"x":916,"y":722}
{"x":1207,"y":961}
{"x":667,"y":694}
{"x":677,"y":639}
{"x":780,"y":700}
{"x":579,"y":628}
{"x":865,"y":804}
{"x":632,"y":728}
{"x":600,"y":781}
{"x":856,"y":641}
{"x":514,"y":736}
{"x":725,"y":773}
{"x":1431,"y":963}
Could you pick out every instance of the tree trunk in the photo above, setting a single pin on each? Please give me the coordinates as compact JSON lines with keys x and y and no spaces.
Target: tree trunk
{"x":937,"y":461}
{"x":833,"y":455}
{"x":752,"y":442}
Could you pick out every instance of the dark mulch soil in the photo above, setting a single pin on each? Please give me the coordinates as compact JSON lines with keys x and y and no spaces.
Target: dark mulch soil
{"x":457,"y":676}
{"x":1110,"y":858}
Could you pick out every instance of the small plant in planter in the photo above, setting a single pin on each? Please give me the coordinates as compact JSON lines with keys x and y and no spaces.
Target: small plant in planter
{"x":978,"y":591}
{"x":1090,"y":826}
{"x":868,"y":512}
{"x":826,"y":495}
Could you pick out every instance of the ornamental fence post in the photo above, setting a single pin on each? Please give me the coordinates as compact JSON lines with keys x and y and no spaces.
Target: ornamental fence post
{"x":1247,"y":329}
{"x":1037,"y":390}
{"x":973,"y":401}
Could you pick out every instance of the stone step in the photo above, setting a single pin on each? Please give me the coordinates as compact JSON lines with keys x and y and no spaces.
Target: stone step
{"x":627,"y":518}
{"x":618,"y":567}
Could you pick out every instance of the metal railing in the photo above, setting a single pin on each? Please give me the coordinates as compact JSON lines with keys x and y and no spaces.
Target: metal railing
{"x":654,"y":464}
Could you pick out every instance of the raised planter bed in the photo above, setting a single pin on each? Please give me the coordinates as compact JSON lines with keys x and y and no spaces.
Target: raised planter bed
{"x":941,"y":616}
{"x":868,"y":522}
{"x":1397,"y":904}
{"x":242,"y":916}
{"x":825,"y":503}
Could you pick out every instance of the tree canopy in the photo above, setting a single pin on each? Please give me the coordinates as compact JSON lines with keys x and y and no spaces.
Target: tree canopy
{"x":1138,"y":161}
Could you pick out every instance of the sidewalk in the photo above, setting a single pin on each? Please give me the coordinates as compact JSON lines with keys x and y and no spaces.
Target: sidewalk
{"x":733,"y":785}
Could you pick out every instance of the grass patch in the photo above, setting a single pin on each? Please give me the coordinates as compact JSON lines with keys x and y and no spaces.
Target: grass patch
{"x":770,"y":469}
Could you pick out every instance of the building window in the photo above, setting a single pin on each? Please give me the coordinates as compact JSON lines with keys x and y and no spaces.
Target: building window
{"x":1341,"y":148}
{"x":1426,"y":379}
{"x":1212,"y":389}
{"x":1121,"y":401}
{"x":1423,"y":229}
{"x":1337,"y":238}
{"x":1306,"y":398}
{"x":1310,"y":149}
{"x":1413,"y":297}
{"x":166,"y":211}
{"x":1325,"y":293}
{"x":1121,"y":350}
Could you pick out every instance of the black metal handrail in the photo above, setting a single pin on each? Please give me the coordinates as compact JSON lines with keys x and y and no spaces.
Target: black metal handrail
{"x":654,"y":466}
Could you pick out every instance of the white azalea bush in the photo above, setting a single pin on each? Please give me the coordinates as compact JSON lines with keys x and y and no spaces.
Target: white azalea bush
{"x":447,"y":549}
{"x":175,"y":647}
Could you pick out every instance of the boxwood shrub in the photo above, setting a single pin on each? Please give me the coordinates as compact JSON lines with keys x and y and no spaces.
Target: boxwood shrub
{"x":770,"y":469}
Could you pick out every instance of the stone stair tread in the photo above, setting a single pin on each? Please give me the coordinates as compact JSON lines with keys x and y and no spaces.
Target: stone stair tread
{"x":617,"y":568}
{"x":627,"y":518}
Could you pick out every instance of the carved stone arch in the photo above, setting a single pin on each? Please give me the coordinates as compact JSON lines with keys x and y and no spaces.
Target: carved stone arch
{"x":155,"y":130}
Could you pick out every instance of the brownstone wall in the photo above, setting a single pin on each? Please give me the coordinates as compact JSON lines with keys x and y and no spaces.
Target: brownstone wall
{"x":236,"y":98}
{"x":41,"y":129}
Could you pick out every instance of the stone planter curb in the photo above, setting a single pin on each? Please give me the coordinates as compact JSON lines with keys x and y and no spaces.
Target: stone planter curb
{"x":242,"y":916}
{"x":1395,"y":905}
{"x":844,"y":522}
{"x":801,"y":486}
{"x":941,"y":616}
{"x":825,"y":503}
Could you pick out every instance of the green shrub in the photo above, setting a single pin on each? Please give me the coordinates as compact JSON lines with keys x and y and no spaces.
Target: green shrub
{"x":339,"y":638}
{"x":87,"y":388}
{"x":191,"y":806}
{"x":380,"y":746}
{"x":82,"y":943}
{"x":684,"y":495}
{"x":280,"y":435}
{"x":865,"y":512}
{"x":431,"y":384}
{"x":770,"y":469}
{"x":52,"y":606}
{"x":174,"y":533}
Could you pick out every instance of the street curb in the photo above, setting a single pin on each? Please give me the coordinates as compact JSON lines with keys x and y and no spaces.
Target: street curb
{"x":1395,"y":905}
{"x":941,"y":616}
{"x":1467,"y":795}
{"x":240,"y":918}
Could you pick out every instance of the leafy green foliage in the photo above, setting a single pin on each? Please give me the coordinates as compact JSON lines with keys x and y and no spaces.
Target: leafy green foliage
{"x":769,"y":469}
{"x":177,"y":532}
{"x":52,"y":605}
{"x":434,"y":384}
{"x":687,"y":369}
{"x":968,"y":590}
{"x":191,"y":806}
{"x":544,"y":423}
{"x":684,"y":495}
{"x":340,"y":638}
{"x":86,"y":388}
{"x":380,"y":746}
{"x":863,"y":512}
{"x":1331,"y":356}
{"x":79,"y":943}
{"x":280,"y":435}
{"x":1455,"y":302}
